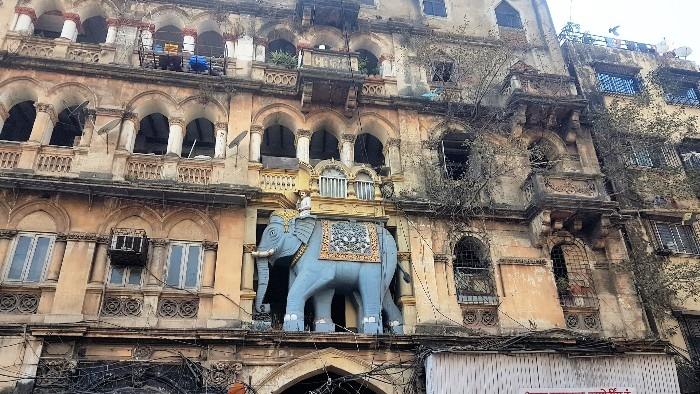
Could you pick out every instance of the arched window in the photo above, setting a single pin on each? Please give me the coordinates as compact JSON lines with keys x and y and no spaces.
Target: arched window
{"x":210,"y":43}
{"x":93,"y":30}
{"x":542,"y":156}
{"x":199,"y":139}
{"x":18,"y":126}
{"x":333,"y":183}
{"x":324,"y":146}
{"x":170,"y":35}
{"x":69,"y":126}
{"x":507,"y":16}
{"x":369,"y":64}
{"x":282,"y":53}
{"x":472,"y":272}
{"x":153,"y":134}
{"x":364,"y":187}
{"x":369,"y":150}
{"x":278,"y":141}
{"x":454,"y":154}
{"x":572,"y":276}
{"x":49,"y":25}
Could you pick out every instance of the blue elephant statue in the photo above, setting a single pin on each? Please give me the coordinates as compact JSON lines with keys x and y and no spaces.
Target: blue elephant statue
{"x":354,"y":258}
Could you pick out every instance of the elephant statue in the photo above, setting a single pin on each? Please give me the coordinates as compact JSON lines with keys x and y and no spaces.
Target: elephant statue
{"x":354,"y":258}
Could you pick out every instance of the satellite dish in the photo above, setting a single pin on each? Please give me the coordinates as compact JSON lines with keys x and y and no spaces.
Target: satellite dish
{"x":108,"y":127}
{"x":663,"y":47}
{"x":236,"y":141}
{"x":683,"y":52}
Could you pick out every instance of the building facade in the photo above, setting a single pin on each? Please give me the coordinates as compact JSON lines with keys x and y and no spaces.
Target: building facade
{"x":148,"y":148}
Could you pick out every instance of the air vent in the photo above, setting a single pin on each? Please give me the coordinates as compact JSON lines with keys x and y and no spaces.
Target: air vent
{"x":128,"y":247}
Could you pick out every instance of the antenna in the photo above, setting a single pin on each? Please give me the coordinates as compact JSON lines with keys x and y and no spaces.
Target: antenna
{"x":104,"y":130}
{"x":236,"y":142}
{"x":192,"y":148}
{"x":683,"y":52}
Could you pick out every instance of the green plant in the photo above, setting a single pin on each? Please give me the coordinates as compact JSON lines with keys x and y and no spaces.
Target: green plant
{"x":284,"y":59}
{"x":365,"y":68}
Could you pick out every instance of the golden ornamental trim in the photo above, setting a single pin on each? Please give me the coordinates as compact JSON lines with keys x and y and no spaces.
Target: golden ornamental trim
{"x":286,"y":215}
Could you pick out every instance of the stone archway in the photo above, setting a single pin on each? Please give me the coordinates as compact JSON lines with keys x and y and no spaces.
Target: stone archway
{"x":304,"y":369}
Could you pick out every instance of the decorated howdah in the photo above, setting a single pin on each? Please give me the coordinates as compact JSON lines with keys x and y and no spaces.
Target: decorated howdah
{"x":357,"y":259}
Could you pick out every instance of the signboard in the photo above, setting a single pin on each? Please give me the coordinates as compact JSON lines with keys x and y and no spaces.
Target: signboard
{"x":590,"y":390}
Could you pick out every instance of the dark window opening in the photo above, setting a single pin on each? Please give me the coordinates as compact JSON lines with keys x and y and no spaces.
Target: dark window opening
{"x":69,"y":127}
{"x":280,"y":45}
{"x":454,"y":155}
{"x":443,"y":71}
{"x":472,"y":272}
{"x":368,"y":63}
{"x":541,"y":156}
{"x":507,"y":16}
{"x":167,"y":39}
{"x":690,"y":156}
{"x":338,"y":312}
{"x":18,"y":126}
{"x":278,"y":141}
{"x":434,"y":8}
{"x":324,"y":146}
{"x":153,"y":134}
{"x":93,"y":30}
{"x":572,"y":277}
{"x":319,"y":384}
{"x":369,"y":150}
{"x":682,"y":93}
{"x":210,"y":43}
{"x":49,"y":25}
{"x":618,"y":83}
{"x":561,"y":274}
{"x":199,"y":139}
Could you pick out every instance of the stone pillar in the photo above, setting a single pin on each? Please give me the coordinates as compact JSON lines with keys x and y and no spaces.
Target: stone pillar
{"x":209,"y":264}
{"x":26,"y":17}
{"x":248,"y":266}
{"x":57,"y":254}
{"x":303,"y":143}
{"x":393,"y":155}
{"x":43,"y":123}
{"x":245,"y":49}
{"x":99,"y":261}
{"x":347,"y":149}
{"x":112,"y":25}
{"x":221,"y":133}
{"x":256,"y":133}
{"x":177,"y":127}
{"x":189,"y":39}
{"x":4,"y":114}
{"x":230,"y":42}
{"x":260,"y":46}
{"x":127,"y":138}
{"x":88,"y":129}
{"x":386,"y":64}
{"x":5,"y":237}
{"x":147,"y":35}
{"x":71,"y":25}
{"x":156,"y":264}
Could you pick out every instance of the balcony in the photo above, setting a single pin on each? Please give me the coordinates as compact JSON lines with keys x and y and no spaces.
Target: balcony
{"x":330,"y":77}
{"x":140,"y":167}
{"x":59,"y":49}
{"x":342,"y":15}
{"x":56,"y":161}
{"x":277,"y":78}
{"x":565,"y":191}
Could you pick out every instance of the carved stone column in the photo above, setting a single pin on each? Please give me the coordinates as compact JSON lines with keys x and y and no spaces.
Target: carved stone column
{"x":59,"y":250}
{"x":393,"y":155}
{"x":147,"y":35}
{"x":189,"y":39}
{"x":127,"y":138}
{"x":303,"y":144}
{"x":230,"y":42}
{"x":88,"y":129}
{"x":156,"y":265}
{"x":260,"y":45}
{"x":43,"y":123}
{"x":4,"y":114}
{"x":112,"y":25}
{"x":209,"y":268}
{"x":5,"y":237}
{"x":99,"y":261}
{"x":221,"y":133}
{"x":256,"y":133}
{"x":26,"y":18}
{"x":347,"y":149}
{"x":71,"y":25}
{"x":177,"y":127}
{"x":386,"y":62}
{"x":248,"y":267}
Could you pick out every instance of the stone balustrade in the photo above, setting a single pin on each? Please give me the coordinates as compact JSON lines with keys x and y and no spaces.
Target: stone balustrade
{"x":194,"y":172}
{"x":278,"y":181}
{"x":536,"y":84}
{"x":60,"y":49}
{"x":144,"y":167}
{"x":543,"y":186}
{"x":9,"y":156}
{"x":55,"y":161}
{"x":330,"y":60}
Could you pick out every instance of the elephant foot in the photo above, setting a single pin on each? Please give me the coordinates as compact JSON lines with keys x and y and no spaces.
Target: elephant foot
{"x":324,"y":325}
{"x":371,"y":325}
{"x":293,"y":322}
{"x":396,"y":327}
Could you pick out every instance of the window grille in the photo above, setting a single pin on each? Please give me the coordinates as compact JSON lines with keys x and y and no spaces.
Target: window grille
{"x":184,"y":265}
{"x":443,"y":71}
{"x":653,"y":156}
{"x":572,"y":277}
{"x":434,"y":8}
{"x":618,"y":83}
{"x":507,"y":16}
{"x":364,"y":187}
{"x":333,"y":183}
{"x":692,"y":333}
{"x":125,"y":276}
{"x":472,"y":273}
{"x":677,"y":238}
{"x":691,"y":160}
{"x":454,"y":155}
{"x":684,"y":94}
{"x":30,"y":257}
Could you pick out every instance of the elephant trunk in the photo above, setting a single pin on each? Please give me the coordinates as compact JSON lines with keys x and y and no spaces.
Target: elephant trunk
{"x":263,"y":280}
{"x":263,"y":254}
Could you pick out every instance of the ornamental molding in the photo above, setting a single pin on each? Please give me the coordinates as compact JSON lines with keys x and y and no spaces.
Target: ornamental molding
{"x":189,"y":31}
{"x":568,"y":186}
{"x":393,"y":142}
{"x":47,"y":108}
{"x":221,"y":125}
{"x":256,"y":129}
{"x":210,"y":245}
{"x":158,"y":242}
{"x":7,"y":234}
{"x":404,"y":256}
{"x":178,"y":308}
{"x":80,"y":237}
{"x":480,"y":317}
{"x":303,"y":133}
{"x":441,"y":258}
{"x":222,"y":373}
{"x":177,"y":122}
{"x":141,"y":352}
{"x":249,"y":248}
{"x":71,"y":16}
{"x":21,"y":303}
{"x":521,"y":261}
{"x":29,"y":11}
{"x":122,"y":306}
{"x":348,"y":138}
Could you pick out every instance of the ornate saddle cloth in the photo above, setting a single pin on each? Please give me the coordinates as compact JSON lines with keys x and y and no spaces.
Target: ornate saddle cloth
{"x":349,"y":241}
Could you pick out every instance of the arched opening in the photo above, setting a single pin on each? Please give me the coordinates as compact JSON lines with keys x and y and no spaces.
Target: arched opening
{"x":69,"y":127}
{"x":210,"y":43}
{"x":49,"y":25}
{"x":507,"y":16}
{"x":472,"y":272}
{"x":572,"y":276}
{"x":282,"y":53}
{"x":320,"y":384}
{"x":369,"y":150}
{"x":324,"y":146}
{"x":333,"y":183}
{"x":278,"y":141}
{"x":167,"y":39}
{"x":153,"y":134}
{"x":93,"y":30}
{"x":542,"y":156}
{"x":364,"y":186}
{"x":368,"y":63}
{"x":199,"y":139}
{"x":18,"y":126}
{"x":454,"y":154}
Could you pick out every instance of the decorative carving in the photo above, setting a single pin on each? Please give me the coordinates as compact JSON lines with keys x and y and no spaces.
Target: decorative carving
{"x":55,"y":372}
{"x":373,"y":89}
{"x":222,"y":373}
{"x":55,"y":161}
{"x":48,"y":108}
{"x":29,"y":11}
{"x":393,"y":142}
{"x":185,"y":308}
{"x":256,"y":129}
{"x":303,"y":133}
{"x":221,"y":125}
{"x":349,"y":241}
{"x":286,"y":78}
{"x":177,"y":122}
{"x":158,"y":242}
{"x":7,"y":234}
{"x":210,"y":245}
{"x":194,"y":173}
{"x":404,"y":257}
{"x":568,"y":186}
{"x":141,"y":352}
{"x":518,"y":261}
{"x":189,"y":31}
{"x":82,"y":237}
{"x":249,"y":248}
{"x":348,"y":138}
{"x":286,"y":215}
{"x":71,"y":16}
{"x":441,"y":258}
{"x":85,"y":55}
{"x":116,"y":306}
{"x":23,"y":303}
{"x":470,"y":318}
{"x":112,"y":22}
{"x":587,"y":320}
{"x":485,"y":317}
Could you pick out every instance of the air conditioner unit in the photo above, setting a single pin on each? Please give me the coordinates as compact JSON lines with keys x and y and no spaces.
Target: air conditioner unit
{"x":128,"y":247}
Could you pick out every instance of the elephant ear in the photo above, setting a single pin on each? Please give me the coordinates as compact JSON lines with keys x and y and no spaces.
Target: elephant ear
{"x":303,"y":228}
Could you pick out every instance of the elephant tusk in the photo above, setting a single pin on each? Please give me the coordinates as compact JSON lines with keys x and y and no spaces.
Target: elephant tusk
{"x":264,"y":254}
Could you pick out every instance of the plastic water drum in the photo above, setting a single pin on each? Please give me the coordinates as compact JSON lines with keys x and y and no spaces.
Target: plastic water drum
{"x":198,"y":63}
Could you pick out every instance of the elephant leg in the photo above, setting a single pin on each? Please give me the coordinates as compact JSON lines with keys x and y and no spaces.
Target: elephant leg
{"x":322,"y":311}
{"x":360,"y":309}
{"x":371,"y":305}
{"x":305,"y":285}
{"x":393,"y":313}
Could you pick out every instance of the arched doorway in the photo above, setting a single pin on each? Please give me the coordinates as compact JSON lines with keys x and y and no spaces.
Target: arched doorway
{"x":18,"y":126}
{"x":330,"y":382}
{"x":199,"y":139}
{"x":324,"y":146}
